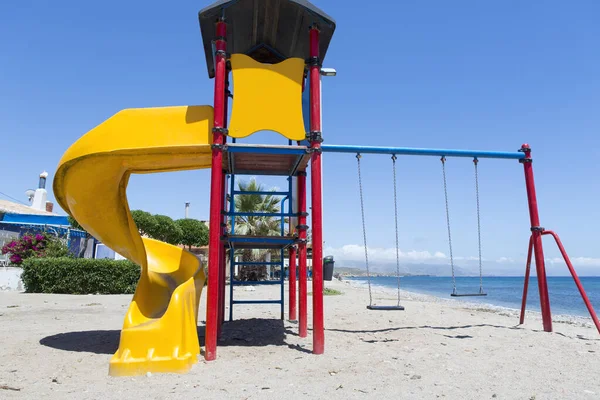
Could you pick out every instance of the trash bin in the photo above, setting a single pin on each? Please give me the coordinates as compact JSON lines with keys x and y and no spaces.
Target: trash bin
{"x":328,"y":268}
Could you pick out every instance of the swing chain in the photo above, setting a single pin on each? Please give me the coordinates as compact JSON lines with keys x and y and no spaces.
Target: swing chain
{"x":443,"y":159}
{"x":362,"y":210}
{"x":475,"y":162}
{"x":394,"y":158}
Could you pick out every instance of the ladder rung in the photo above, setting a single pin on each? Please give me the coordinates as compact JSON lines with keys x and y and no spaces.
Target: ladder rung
{"x":242,"y":192}
{"x":257,"y":301}
{"x":250,"y":283}
{"x":258,"y":263}
{"x":259,"y":214}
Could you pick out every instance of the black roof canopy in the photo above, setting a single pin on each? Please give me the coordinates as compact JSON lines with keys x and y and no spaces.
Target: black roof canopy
{"x":267,"y":30}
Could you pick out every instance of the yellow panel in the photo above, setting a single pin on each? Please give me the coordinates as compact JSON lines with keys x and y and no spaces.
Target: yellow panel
{"x":267,"y":97}
{"x":159,"y":333}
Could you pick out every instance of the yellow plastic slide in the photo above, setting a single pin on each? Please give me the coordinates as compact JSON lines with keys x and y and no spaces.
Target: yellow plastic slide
{"x":159,"y":333}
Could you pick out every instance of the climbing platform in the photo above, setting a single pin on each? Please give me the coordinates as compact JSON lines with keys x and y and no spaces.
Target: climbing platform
{"x":245,"y":159}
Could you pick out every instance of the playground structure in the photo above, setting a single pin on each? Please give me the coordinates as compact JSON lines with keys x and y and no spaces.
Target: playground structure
{"x":274,"y":51}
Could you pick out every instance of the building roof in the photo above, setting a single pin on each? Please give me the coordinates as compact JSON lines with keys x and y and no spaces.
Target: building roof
{"x":10,"y":207}
{"x":269,"y":31}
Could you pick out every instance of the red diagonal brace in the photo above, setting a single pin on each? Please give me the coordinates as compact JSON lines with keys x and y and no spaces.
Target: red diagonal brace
{"x":526,"y":284}
{"x":586,"y":300}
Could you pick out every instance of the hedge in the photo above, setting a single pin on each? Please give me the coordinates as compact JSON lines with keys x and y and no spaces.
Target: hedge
{"x":79,"y":276}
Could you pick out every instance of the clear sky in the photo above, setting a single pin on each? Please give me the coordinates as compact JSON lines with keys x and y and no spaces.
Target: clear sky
{"x":462,"y":74}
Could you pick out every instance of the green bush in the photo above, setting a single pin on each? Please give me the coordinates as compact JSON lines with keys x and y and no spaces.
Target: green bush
{"x":79,"y":276}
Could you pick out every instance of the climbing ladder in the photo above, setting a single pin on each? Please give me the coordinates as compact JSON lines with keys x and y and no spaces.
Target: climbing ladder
{"x":245,"y":159}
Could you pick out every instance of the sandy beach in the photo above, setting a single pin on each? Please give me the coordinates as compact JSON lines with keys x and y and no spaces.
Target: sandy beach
{"x":59,"y":346}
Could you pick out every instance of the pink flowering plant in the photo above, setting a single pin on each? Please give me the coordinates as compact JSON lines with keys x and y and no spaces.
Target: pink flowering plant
{"x":29,"y":245}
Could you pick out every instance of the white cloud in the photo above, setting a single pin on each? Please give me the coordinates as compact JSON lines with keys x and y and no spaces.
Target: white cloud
{"x":353,"y":252}
{"x":576,"y":261}
{"x":506,"y":260}
{"x":469,"y":259}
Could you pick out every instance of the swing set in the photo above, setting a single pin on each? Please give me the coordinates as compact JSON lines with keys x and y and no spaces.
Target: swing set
{"x":535,"y":243}
{"x":455,"y":292}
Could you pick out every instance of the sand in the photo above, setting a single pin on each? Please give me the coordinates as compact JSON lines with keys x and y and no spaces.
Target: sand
{"x":58,"y":347}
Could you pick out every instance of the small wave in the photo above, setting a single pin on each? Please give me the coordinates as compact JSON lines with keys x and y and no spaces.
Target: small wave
{"x":383,"y":289}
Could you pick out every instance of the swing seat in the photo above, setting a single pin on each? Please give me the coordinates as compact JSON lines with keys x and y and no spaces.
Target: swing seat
{"x":468,"y":294}
{"x":386,"y":308}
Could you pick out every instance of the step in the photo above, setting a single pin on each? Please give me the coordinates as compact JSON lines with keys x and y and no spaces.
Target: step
{"x":259,"y":242}
{"x":252,"y":283}
{"x":248,"y":159}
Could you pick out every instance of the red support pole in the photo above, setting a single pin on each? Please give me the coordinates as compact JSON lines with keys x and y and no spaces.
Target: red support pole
{"x":292,"y":282}
{"x":216,"y":201}
{"x":526,"y":284}
{"x":536,"y":234}
{"x":586,"y":300}
{"x":316,"y":193}
{"x":222,"y":260}
{"x":223,"y":269}
{"x":303,"y":315}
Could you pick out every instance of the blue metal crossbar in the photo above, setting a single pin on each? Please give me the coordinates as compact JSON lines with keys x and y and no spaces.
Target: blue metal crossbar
{"x":265,"y":193}
{"x":256,"y":263}
{"x":265,"y":239}
{"x":262,"y":242}
{"x":258,"y":214}
{"x":265,"y":149}
{"x":257,"y":301}
{"x":332,"y":148}
{"x":249,"y":283}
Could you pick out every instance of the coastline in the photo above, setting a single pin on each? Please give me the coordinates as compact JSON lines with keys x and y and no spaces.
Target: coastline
{"x":436,"y":348}
{"x":571,"y":319}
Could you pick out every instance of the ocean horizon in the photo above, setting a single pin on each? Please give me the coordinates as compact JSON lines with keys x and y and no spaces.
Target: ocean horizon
{"x":502,"y":291}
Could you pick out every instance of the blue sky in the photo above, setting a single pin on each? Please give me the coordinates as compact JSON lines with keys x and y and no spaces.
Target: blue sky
{"x":466,"y":74}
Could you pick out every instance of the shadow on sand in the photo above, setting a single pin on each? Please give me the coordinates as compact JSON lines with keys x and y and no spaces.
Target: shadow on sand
{"x":245,"y":333}
{"x":451,"y":328}
{"x":98,"y":342}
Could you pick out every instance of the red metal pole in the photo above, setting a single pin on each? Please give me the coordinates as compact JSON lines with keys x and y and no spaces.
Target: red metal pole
{"x":303,"y":311}
{"x":536,"y":233}
{"x":526,"y":284}
{"x":586,"y":300}
{"x":216,"y":201}
{"x":222,"y":261}
{"x":316,"y":193}
{"x":223,"y":269}
{"x":292,"y":282}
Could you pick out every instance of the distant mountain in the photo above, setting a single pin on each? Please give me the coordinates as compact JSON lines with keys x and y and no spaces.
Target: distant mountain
{"x":358,"y":269}
{"x":489,"y":269}
{"x":350,"y":271}
{"x":437,"y":270}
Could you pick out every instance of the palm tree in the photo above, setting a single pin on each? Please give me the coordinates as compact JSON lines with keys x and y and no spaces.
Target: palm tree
{"x":256,"y":225}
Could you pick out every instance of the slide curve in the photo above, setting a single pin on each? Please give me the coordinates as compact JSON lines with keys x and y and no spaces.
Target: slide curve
{"x":159,"y":333}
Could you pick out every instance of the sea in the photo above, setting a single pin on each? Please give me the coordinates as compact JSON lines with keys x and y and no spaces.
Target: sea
{"x":501,"y":291}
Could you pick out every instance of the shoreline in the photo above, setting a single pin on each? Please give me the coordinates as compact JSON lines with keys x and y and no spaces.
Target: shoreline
{"x":570,"y":319}
{"x":436,"y":348}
